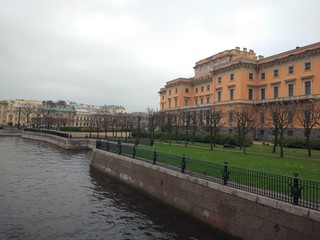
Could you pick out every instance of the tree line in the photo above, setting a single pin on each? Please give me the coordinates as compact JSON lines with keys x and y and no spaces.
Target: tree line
{"x":240,"y":121}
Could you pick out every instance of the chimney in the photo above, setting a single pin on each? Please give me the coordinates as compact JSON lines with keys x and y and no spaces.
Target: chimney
{"x":238,"y":48}
{"x":261,"y":57}
{"x":245,"y":49}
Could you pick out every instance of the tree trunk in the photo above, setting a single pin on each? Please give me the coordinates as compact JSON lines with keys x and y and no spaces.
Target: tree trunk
{"x":211,"y":138}
{"x":275,"y":143}
{"x":281,"y":145}
{"x":308,"y":143}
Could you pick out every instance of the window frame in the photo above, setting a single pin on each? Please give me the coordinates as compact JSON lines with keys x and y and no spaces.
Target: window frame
{"x":290,"y":91}
{"x":309,"y":66}
{"x":250,"y":93}
{"x":273,"y":91}
{"x":231,"y":94}
{"x":291,"y":69}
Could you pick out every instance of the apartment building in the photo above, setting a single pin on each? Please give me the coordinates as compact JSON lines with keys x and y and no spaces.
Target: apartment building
{"x":238,"y":78}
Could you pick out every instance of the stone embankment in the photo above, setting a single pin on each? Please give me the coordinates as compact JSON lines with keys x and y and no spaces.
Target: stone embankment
{"x":10,"y":132}
{"x":66,"y":143}
{"x":242,"y":214}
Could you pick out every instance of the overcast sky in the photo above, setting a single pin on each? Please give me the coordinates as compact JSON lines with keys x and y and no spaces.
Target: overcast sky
{"x":123,"y":51}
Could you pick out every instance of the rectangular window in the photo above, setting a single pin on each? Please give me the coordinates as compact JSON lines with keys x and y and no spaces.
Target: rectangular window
{"x":290,"y":90}
{"x":275,"y":73}
{"x":261,"y":117}
{"x":175,"y":102}
{"x":290,"y":116}
{"x":275,"y":92}
{"x":202,"y":89}
{"x":219,"y":80}
{"x":169,"y":100}
{"x":307,"y":87}
{"x":196,"y":101}
{"x":263,"y":76}
{"x":219,"y":96}
{"x":196,"y":90}
{"x":186,"y":102}
{"x":201,"y":100}
{"x":250,"y":94}
{"x":186,"y":90}
{"x":176,"y":90}
{"x":231,"y":76}
{"x":208,"y":87}
{"x":208,"y":100}
{"x":251,"y":76}
{"x":290,"y":70}
{"x":263,"y":93}
{"x":169,"y":92}
{"x":307,"y":66}
{"x":231,"y":93}
{"x":230,"y":117}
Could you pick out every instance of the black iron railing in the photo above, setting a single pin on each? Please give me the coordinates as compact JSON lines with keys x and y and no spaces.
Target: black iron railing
{"x":297,"y":191}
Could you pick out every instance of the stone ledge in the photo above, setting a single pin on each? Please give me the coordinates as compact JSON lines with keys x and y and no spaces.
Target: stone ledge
{"x":314,"y":215}
{"x":293,"y":209}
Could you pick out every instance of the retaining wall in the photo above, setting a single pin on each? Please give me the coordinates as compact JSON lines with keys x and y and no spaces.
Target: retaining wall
{"x":242,"y":214}
{"x":10,"y":132}
{"x":67,"y":143}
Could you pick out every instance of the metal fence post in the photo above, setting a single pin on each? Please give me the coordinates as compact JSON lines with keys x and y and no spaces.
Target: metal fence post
{"x":108,"y":146}
{"x":154,"y":156}
{"x":98,"y":144}
{"x":183,"y":164}
{"x":295,"y":189}
{"x":120,"y":149}
{"x":225,"y":176}
{"x":134,"y":152}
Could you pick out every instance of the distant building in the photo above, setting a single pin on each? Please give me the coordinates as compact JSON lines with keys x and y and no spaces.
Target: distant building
{"x":20,"y":112}
{"x":236,"y":78}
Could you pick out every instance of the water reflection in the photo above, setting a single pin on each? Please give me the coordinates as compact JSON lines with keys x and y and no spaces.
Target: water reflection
{"x":50,"y":193}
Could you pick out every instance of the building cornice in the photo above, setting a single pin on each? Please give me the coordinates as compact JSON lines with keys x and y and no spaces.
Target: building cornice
{"x":234,"y":66}
{"x":292,"y":57}
{"x":202,"y":80}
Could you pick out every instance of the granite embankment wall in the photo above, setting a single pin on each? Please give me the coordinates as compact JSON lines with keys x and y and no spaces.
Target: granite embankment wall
{"x":242,"y":214}
{"x":67,"y":143}
{"x":10,"y":132}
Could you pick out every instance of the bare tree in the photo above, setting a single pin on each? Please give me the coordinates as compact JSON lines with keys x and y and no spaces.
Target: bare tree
{"x":186,"y":123}
{"x":169,"y":125}
{"x":308,"y":116}
{"x":279,"y":118}
{"x":97,"y":120}
{"x":176,"y":124}
{"x":194,"y":124}
{"x":162,"y":123}
{"x":214,"y":123}
{"x":243,"y":124}
{"x":28,"y":110}
{"x":152,"y":117}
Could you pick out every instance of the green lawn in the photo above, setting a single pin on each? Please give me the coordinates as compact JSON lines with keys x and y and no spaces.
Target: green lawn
{"x":259,"y":158}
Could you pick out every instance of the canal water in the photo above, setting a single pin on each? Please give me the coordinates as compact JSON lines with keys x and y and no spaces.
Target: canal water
{"x":47,"y":192}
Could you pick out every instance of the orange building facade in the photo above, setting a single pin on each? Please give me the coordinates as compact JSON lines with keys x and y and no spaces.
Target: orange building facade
{"x":236,"y":78}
